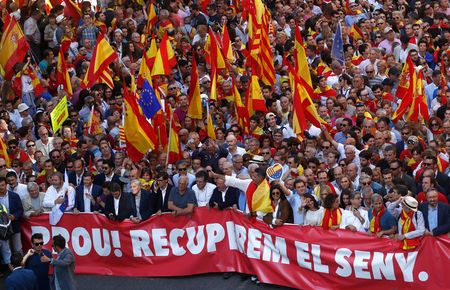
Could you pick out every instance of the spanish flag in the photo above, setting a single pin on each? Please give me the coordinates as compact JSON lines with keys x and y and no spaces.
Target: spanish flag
{"x":258,"y":197}
{"x":139,"y":134}
{"x":240,"y":109}
{"x":215,"y":56}
{"x":356,"y":33}
{"x":195,"y":101}
{"x":165,"y":58}
{"x":4,"y":153}
{"x":255,"y":100}
{"x":405,"y":85}
{"x":102,"y":57}
{"x":148,"y":59}
{"x":152,"y":18}
{"x":62,"y":75}
{"x":226,"y":45}
{"x":72,"y":10}
{"x":302,"y":68}
{"x":13,"y":46}
{"x":174,"y":150}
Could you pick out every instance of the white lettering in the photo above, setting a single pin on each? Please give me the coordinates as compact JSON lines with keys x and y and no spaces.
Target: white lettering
{"x":41,"y":230}
{"x":241,"y":236}
{"x":318,"y":266}
{"x":61,"y":231}
{"x":81,"y":249}
{"x":345,"y":270}
{"x":383,"y":265}
{"x":407,"y":266}
{"x":273,"y":252}
{"x":231,"y":236}
{"x":175,"y":234}
{"x":361,"y":263}
{"x":216,"y":234}
{"x":159,"y":237}
{"x":140,"y":241}
{"x":191,"y":246}
{"x":254,"y":244}
{"x":103,"y":249}
{"x":303,"y":255}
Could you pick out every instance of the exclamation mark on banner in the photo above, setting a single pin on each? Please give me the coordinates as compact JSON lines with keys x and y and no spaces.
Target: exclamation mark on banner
{"x":116,"y":243}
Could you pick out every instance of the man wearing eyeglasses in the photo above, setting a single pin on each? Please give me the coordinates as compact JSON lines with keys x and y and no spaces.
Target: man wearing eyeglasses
{"x":430,"y":163}
{"x":32,"y":260}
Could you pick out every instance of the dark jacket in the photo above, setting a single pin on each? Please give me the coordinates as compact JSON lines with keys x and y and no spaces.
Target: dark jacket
{"x":147,"y":204}
{"x":443,"y":218}
{"x":160,"y":203}
{"x":16,"y":209}
{"x":21,"y":279}
{"x":125,"y":207}
{"x":100,"y":179}
{"x":444,"y":181}
{"x":284,"y":213}
{"x":79,"y":196}
{"x":231,"y":198}
{"x":73,"y":178}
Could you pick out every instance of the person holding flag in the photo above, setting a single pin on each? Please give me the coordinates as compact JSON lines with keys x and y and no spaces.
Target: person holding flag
{"x":59,"y":197}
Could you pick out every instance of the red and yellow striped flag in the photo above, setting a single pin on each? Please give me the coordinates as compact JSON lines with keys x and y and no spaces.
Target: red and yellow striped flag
{"x":4,"y":153}
{"x":302,"y":68}
{"x":148,"y":59}
{"x":255,"y":100}
{"x":195,"y":101}
{"x":165,"y":58}
{"x":62,"y":75}
{"x":173,"y":150}
{"x":226,"y":45}
{"x":356,"y":33}
{"x":102,"y":57}
{"x":152,"y":18}
{"x":13,"y":46}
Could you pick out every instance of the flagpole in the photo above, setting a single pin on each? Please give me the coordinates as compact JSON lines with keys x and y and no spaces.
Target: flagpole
{"x":168,"y":142}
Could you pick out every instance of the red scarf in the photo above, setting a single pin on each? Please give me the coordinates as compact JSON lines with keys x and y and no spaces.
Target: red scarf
{"x":331,"y":218}
{"x":376,"y":220}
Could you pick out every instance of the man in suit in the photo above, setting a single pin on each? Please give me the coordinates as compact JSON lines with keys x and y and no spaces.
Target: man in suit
{"x":20,"y":278}
{"x":118,"y":205}
{"x":430,"y":162}
{"x":436,"y":214}
{"x":143,"y":202}
{"x":13,"y":204}
{"x":63,"y":265}
{"x":86,"y":194}
{"x":161,"y":189}
{"x":76,"y":176}
{"x":224,"y":196}
{"x":107,"y":174}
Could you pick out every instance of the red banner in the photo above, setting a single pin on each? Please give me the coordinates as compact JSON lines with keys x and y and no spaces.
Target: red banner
{"x":227,"y":241}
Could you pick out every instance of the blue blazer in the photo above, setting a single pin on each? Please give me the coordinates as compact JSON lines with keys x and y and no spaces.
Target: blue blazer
{"x":22,"y":279}
{"x":79,"y":195}
{"x":16,"y":209}
{"x":443,"y":218}
{"x":147,"y":204}
{"x":73,"y":178}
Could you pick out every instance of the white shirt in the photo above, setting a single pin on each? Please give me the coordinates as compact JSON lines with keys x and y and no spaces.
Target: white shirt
{"x":20,"y":189}
{"x":314,"y":218}
{"x":52,"y":194}
{"x":348,"y":218}
{"x":203,"y":195}
{"x":239,"y":151}
{"x":87,"y":201}
{"x":116,"y":205}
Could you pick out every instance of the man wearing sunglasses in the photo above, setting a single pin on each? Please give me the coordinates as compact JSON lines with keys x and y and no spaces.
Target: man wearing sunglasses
{"x":32,"y":260}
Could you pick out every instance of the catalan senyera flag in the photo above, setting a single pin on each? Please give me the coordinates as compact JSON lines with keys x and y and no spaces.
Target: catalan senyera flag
{"x":226,"y":45}
{"x":148,"y":59}
{"x":302,"y":67}
{"x":152,"y":18}
{"x":173,"y":150}
{"x":356,"y":33}
{"x":62,"y":75}
{"x":255,"y":100}
{"x":102,"y":57}
{"x":4,"y":153}
{"x":139,"y":134}
{"x":405,"y":87}
{"x":165,"y":58}
{"x":13,"y":46}
{"x":195,"y":101}
{"x":106,"y":78}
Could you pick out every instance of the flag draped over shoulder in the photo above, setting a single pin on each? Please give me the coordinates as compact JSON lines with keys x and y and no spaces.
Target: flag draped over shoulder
{"x":139,"y":134}
{"x":62,"y":75}
{"x":195,"y":101}
{"x":102,"y":57}
{"x":13,"y":46}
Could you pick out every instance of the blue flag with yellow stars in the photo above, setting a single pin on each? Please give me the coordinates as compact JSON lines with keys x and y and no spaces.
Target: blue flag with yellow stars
{"x":148,"y":101}
{"x":337,"y":50}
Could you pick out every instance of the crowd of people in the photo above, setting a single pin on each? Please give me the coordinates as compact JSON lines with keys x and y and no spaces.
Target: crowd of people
{"x":362,"y":173}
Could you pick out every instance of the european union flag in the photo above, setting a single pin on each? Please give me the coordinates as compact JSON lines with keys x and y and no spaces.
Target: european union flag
{"x":148,"y":101}
{"x":337,"y":51}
